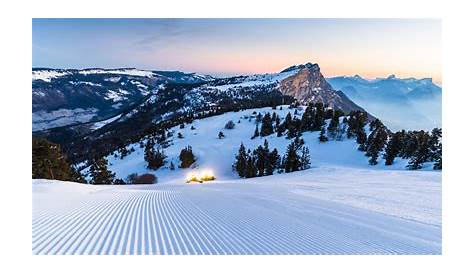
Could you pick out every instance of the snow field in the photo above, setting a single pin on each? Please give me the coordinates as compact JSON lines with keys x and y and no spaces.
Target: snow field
{"x":254,"y":217}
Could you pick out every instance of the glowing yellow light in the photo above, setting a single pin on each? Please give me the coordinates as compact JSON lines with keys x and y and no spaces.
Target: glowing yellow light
{"x":191,"y":176}
{"x":207,"y":173}
{"x":204,"y":175}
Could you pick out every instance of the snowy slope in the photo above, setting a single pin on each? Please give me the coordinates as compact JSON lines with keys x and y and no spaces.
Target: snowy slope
{"x":218,"y":154}
{"x":310,"y":212}
{"x":339,"y":206}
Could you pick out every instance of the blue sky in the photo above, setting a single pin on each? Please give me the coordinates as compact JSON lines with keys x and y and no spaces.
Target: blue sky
{"x":368,"y":47}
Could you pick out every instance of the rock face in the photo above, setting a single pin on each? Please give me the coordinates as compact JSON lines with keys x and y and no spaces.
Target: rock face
{"x":310,"y":86}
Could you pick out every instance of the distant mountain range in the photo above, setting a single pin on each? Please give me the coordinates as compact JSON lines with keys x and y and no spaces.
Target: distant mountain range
{"x":400,"y":103}
{"x":68,"y":96}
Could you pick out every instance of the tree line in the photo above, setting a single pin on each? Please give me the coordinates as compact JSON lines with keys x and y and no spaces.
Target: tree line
{"x":263,"y":162}
{"x":373,"y":138}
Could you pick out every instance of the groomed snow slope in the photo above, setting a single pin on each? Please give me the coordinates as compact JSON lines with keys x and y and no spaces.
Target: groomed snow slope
{"x":339,"y":206}
{"x":301,"y":213}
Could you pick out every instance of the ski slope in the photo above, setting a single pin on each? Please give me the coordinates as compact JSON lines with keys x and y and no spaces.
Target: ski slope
{"x":369,"y":212}
{"x":341,"y":205}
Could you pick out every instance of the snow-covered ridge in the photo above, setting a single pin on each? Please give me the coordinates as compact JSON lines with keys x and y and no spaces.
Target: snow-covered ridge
{"x":47,"y":75}
{"x":252,"y":80}
{"x":131,"y":71}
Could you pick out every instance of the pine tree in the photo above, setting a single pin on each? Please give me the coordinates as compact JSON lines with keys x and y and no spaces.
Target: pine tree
{"x":422,"y":152}
{"x":394,"y":147}
{"x":260,"y":160}
{"x":49,"y":163}
{"x":267,"y":126}
{"x":322,"y":135}
{"x":319,"y":116}
{"x":256,"y":133}
{"x":99,"y":172}
{"x":436,"y":148}
{"x":186,"y":157}
{"x":308,"y":119}
{"x":361,"y":140}
{"x":438,"y":158}
{"x":305,"y":159}
{"x":273,"y":162}
{"x":356,"y":124}
{"x":280,"y":127}
{"x":294,"y":128}
{"x":251,"y":170}
{"x":376,"y":143}
{"x":154,"y":157}
{"x":292,"y":159}
{"x":172,"y":166}
{"x":288,"y":121}
{"x":240,"y":164}
{"x":333,"y":125}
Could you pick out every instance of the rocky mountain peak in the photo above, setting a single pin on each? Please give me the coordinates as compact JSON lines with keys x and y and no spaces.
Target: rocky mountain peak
{"x":309,"y":86}
{"x":302,"y":66}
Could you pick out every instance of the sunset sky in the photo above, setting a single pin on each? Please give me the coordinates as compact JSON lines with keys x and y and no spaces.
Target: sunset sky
{"x":222,"y":47}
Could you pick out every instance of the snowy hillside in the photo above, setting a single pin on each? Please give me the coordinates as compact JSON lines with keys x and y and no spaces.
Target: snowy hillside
{"x":341,"y":205}
{"x":218,"y":154}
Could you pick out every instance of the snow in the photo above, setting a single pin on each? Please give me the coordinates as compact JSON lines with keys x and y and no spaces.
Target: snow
{"x":218,"y":154}
{"x":116,"y":96}
{"x":47,"y":75}
{"x":85,"y":83}
{"x":101,"y":124}
{"x":257,"y":80}
{"x":269,"y":215}
{"x":341,"y":205}
{"x":133,"y":72}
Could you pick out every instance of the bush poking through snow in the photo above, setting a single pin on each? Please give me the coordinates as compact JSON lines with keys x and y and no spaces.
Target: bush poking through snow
{"x":230,"y":125}
{"x":146,"y":178}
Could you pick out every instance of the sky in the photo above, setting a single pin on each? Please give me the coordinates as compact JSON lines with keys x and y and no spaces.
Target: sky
{"x":223,"y":47}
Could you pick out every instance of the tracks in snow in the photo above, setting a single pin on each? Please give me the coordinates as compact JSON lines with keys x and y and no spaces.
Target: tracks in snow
{"x":217,"y":219}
